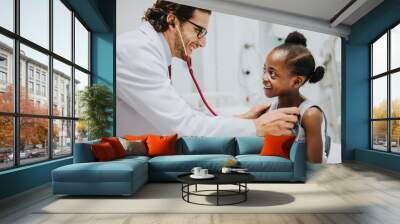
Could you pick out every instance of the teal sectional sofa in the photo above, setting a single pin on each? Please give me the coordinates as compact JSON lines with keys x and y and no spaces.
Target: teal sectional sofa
{"x":125,"y":176}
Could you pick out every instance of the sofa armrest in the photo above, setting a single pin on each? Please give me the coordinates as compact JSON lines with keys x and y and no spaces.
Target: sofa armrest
{"x":83,"y":152}
{"x":298,"y":155}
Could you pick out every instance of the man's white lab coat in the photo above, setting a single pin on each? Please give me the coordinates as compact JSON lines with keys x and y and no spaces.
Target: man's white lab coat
{"x":146,"y":100}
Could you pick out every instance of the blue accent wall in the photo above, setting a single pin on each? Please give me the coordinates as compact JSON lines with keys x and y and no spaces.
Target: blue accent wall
{"x":103,"y":63}
{"x":103,"y":52}
{"x":24,"y":178}
{"x":355,"y":144}
{"x":99,"y":16}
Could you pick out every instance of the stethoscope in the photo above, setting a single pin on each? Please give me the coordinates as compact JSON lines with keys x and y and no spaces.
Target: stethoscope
{"x":188,"y":61}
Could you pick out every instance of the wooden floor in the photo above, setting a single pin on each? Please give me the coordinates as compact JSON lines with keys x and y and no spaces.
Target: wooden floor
{"x":378,"y":188}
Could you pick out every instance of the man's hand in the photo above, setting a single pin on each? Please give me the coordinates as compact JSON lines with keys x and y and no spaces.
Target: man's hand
{"x":255,"y":111}
{"x":277,"y":122}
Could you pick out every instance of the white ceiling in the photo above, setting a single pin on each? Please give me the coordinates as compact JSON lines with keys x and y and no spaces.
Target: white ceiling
{"x":315,"y":15}
{"x":321,"y":9}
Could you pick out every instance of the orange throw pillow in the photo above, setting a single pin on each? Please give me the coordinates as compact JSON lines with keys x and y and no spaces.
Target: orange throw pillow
{"x":136,"y":137}
{"x":116,"y":145}
{"x":103,"y":151}
{"x":161,"y":145}
{"x":277,"y":145}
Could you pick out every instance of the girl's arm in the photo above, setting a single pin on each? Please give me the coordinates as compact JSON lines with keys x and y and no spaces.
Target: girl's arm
{"x":312,"y":121}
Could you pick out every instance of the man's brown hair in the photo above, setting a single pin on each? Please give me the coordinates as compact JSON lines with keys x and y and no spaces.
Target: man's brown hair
{"x":157,"y":14}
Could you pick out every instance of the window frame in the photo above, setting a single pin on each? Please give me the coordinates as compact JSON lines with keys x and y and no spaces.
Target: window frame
{"x":388,"y":74}
{"x":16,"y":114}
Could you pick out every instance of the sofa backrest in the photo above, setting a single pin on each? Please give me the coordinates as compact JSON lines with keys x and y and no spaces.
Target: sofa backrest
{"x":249,"y":145}
{"x":206,"y":145}
{"x":83,"y":153}
{"x":190,"y":146}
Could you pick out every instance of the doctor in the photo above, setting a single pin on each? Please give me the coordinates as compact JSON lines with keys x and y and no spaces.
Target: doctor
{"x":147,"y":101}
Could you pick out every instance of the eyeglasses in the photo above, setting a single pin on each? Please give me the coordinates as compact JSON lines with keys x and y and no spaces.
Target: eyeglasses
{"x":201,"y":30}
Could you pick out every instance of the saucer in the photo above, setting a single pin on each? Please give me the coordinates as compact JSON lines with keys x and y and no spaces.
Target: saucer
{"x":208,"y":176}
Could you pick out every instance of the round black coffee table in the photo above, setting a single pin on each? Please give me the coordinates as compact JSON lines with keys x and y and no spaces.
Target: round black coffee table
{"x":238,"y":179}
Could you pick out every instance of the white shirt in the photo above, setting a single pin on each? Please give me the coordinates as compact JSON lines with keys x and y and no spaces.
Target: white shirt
{"x":301,"y":135}
{"x":146,"y":100}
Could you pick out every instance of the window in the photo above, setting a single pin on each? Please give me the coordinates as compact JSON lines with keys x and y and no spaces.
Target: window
{"x":45,"y":131}
{"x":81,"y":45}
{"x":37,"y":89}
{"x":62,"y":74}
{"x":3,"y":61}
{"x":385,"y":96}
{"x":395,"y":47}
{"x":30,"y":87}
{"x":81,"y":81}
{"x":30,"y":72}
{"x":44,"y":91}
{"x":55,"y":98}
{"x":7,"y":14}
{"x":3,"y":72}
{"x":62,"y":137}
{"x":6,"y":142}
{"x":43,"y":77}
{"x":35,"y":21}
{"x":37,"y":75}
{"x":3,"y":78}
{"x":6,"y":73}
{"x":62,"y":29}
{"x":33,"y":147}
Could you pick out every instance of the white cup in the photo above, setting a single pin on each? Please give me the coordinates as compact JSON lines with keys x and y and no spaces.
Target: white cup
{"x":196,"y":171}
{"x":203,"y":172}
{"x":226,"y":170}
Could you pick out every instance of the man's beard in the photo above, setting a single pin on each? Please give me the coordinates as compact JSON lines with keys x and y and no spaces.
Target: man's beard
{"x":179,"y":50}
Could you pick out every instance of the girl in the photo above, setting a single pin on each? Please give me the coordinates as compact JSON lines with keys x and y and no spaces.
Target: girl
{"x":287,"y":68}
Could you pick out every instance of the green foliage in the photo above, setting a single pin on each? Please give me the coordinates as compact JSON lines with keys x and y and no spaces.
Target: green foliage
{"x":380,"y":127}
{"x":97,"y":103}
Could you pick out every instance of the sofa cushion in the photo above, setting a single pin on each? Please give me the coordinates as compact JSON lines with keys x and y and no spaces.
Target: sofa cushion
{"x":185,"y":163}
{"x":159,"y":145}
{"x":111,"y":171}
{"x":103,"y":152}
{"x":134,"y":147}
{"x":132,"y":159}
{"x":249,"y":145}
{"x":277,"y":145}
{"x":116,"y":145}
{"x":257,"y":163}
{"x":136,"y":137}
{"x":206,"y":145}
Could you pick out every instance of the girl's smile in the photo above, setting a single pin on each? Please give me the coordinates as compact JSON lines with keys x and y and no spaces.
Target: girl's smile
{"x":276,"y":79}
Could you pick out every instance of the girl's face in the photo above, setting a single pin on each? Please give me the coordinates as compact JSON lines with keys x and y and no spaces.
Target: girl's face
{"x":277,"y":78}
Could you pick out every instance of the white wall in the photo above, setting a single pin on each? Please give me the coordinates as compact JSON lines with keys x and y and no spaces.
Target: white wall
{"x":129,"y":14}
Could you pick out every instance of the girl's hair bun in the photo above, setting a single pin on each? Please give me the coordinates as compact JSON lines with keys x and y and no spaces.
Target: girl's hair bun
{"x":296,"y":38}
{"x":318,"y":74}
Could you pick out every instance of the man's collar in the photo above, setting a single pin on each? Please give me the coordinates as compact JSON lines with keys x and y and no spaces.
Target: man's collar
{"x":167,"y":50}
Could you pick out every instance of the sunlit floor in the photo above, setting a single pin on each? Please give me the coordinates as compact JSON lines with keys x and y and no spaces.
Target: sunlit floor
{"x":377,"y":188}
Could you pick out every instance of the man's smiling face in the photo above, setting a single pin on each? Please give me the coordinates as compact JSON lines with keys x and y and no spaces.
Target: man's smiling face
{"x":190,"y":32}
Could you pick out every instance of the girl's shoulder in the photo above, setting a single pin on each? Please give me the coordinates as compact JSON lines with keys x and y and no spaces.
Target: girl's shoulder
{"x":308,"y":107}
{"x":310,"y":112}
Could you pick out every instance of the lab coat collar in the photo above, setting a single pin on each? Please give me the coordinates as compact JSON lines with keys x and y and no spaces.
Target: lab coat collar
{"x":149,"y":29}
{"x":166,"y":48}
